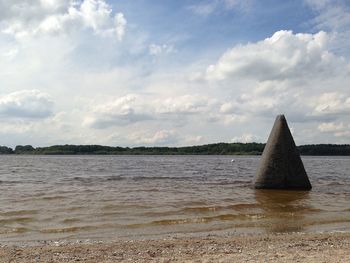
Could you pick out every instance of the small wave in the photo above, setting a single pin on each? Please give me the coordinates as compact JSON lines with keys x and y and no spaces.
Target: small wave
{"x":16,"y":220}
{"x":110,"y":214}
{"x":93,"y":179}
{"x":227,"y":182}
{"x":197,"y":220}
{"x":71,"y":220}
{"x":82,"y":179}
{"x":68,"y":229}
{"x":114,"y":178}
{"x":335,"y":184}
{"x":237,"y":207}
{"x":202,"y":178}
{"x":75,"y":208}
{"x":19,"y":212}
{"x":224,"y":217}
{"x":10,"y":182}
{"x":311,"y":210}
{"x":124,"y":206}
{"x":55,"y":197}
{"x":182,"y":178}
{"x":243,"y":206}
{"x":20,"y":230}
{"x":151,"y":190}
{"x":241,"y":182}
{"x":16,"y":230}
{"x":202,"y":209}
{"x":324,"y":221}
{"x":163,"y":213}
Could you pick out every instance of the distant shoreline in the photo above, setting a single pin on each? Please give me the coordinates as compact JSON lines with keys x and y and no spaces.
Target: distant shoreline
{"x":208,"y":149}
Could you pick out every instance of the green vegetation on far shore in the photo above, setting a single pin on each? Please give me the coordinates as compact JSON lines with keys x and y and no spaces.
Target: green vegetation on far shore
{"x":209,"y":149}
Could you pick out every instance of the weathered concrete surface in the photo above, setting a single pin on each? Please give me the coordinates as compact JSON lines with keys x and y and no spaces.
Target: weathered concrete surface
{"x":281,"y":166}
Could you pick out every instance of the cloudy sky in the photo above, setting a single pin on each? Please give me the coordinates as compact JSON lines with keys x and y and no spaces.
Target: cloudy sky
{"x":165,"y":72}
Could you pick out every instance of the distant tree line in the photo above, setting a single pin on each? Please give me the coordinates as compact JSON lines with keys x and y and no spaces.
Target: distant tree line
{"x":5,"y":150}
{"x":208,"y":149}
{"x":325,"y":149}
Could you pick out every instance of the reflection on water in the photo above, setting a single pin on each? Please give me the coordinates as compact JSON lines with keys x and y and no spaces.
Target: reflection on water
{"x":109,"y":197}
{"x":284,"y":210}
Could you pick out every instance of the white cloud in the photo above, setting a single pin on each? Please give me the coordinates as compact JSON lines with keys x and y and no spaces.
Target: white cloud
{"x":122,"y":111}
{"x":67,"y":49}
{"x":319,"y":4}
{"x":156,"y":50}
{"x":16,"y":127}
{"x":284,"y":55}
{"x":193,"y":139}
{"x":283,"y":74}
{"x":246,"y":138}
{"x":334,"y":17}
{"x":228,"y":107}
{"x":27,"y":18}
{"x":332,"y":14}
{"x":337,"y":129}
{"x":234,"y":119}
{"x":162,"y":137}
{"x":331,"y":127}
{"x":29,"y":10}
{"x":206,"y":8}
{"x":186,"y":104}
{"x":203,"y":9}
{"x":243,"y":5}
{"x":131,"y":109}
{"x":332,"y":103}
{"x":58,"y":128}
{"x":26,"y":104}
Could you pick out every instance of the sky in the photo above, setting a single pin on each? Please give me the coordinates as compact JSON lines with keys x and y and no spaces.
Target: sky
{"x":173,"y":73}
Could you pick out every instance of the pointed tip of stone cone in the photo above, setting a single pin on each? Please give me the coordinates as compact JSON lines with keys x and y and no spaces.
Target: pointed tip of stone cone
{"x":281,"y":166}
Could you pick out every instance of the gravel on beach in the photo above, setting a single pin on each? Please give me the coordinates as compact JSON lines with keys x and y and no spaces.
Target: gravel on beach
{"x":295,"y":247}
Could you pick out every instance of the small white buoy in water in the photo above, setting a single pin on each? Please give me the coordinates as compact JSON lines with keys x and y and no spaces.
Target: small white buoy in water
{"x":233,"y":160}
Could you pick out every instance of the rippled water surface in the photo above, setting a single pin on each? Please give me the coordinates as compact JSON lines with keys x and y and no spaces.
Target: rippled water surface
{"x":111,"y":197}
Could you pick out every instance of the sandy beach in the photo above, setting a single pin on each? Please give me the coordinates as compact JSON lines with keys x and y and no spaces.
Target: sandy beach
{"x":296,"y":247}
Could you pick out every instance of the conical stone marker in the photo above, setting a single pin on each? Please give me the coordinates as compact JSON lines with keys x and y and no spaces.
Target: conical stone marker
{"x":281,"y":166}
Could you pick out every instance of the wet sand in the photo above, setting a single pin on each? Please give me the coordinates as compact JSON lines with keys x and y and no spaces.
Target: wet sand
{"x":296,"y":247}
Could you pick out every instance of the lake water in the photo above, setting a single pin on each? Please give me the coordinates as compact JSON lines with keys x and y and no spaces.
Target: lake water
{"x":133,"y":197}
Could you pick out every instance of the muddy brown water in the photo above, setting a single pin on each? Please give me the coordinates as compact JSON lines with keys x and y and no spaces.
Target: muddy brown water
{"x":136,"y":197}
